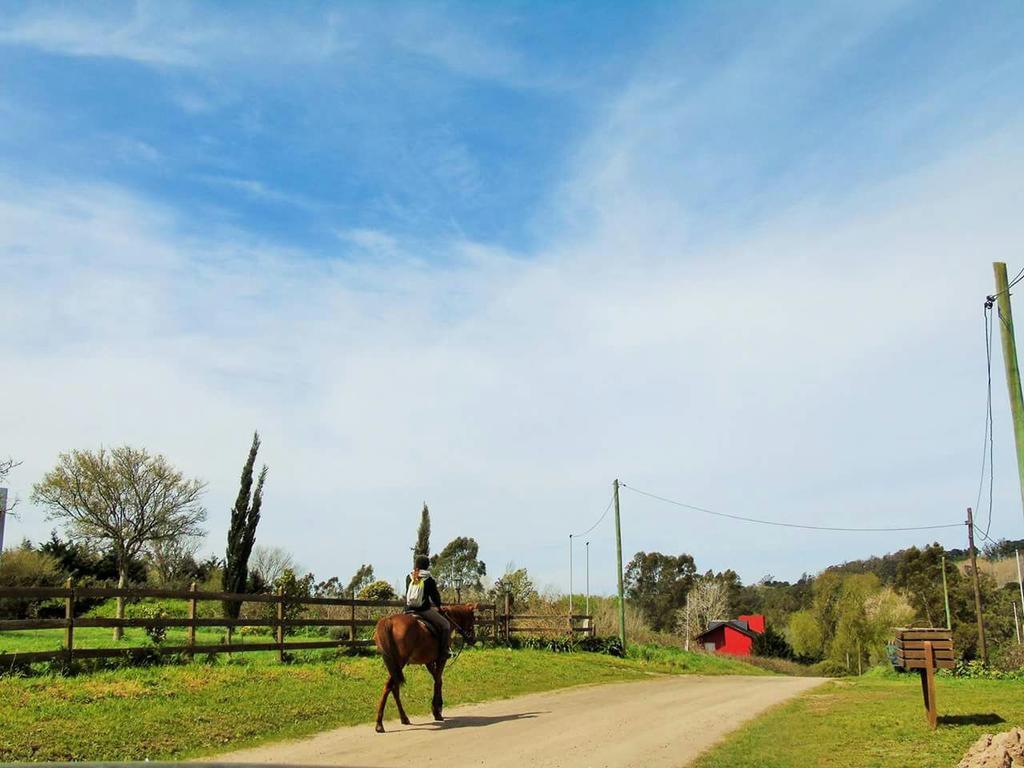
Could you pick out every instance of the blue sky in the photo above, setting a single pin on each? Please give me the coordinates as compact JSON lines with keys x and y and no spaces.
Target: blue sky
{"x":494,"y":255}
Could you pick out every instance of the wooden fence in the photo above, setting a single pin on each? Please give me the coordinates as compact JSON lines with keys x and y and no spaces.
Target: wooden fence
{"x":491,"y":624}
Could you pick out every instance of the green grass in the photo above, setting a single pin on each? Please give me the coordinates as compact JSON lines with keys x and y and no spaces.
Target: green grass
{"x":873,"y":721}
{"x":186,"y":710}
{"x":678,"y":661}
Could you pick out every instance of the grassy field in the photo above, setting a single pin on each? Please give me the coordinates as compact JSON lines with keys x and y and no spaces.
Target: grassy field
{"x":873,"y":722}
{"x":193,"y":709}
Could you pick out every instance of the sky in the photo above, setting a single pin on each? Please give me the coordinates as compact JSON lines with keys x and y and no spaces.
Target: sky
{"x":494,"y":256}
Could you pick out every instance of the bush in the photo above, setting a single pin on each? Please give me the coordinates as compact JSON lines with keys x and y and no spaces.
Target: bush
{"x":378,"y":590}
{"x":771,"y":644}
{"x":26,"y":567}
{"x":156,"y":635}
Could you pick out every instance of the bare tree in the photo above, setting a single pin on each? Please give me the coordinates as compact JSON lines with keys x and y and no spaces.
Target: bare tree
{"x":707,"y":601}
{"x":6,"y":465}
{"x":122,"y":499}
{"x":174,"y":560}
{"x":268,"y":563}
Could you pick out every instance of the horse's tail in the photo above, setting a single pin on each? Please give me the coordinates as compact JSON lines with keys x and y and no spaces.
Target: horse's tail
{"x":389,"y":652}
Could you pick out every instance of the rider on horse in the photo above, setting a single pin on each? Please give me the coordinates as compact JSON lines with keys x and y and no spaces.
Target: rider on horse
{"x":423,"y":599}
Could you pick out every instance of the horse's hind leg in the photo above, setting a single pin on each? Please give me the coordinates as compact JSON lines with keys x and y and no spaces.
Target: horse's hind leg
{"x":383,"y":702}
{"x":398,"y":702}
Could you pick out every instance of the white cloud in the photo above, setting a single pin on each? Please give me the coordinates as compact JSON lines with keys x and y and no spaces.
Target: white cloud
{"x":826,"y":366}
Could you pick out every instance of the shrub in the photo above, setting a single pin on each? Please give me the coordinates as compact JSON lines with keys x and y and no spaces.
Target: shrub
{"x":26,"y":567}
{"x":378,"y":590}
{"x":157,"y":634}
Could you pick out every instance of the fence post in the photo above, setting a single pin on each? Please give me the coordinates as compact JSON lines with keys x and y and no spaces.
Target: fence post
{"x":192,"y":617}
{"x":352,"y":626}
{"x":494,"y":623}
{"x":69,"y":619}
{"x":508,"y":621}
{"x":280,"y":623}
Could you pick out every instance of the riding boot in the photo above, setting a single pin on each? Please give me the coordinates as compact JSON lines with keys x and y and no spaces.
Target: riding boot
{"x":446,"y":642}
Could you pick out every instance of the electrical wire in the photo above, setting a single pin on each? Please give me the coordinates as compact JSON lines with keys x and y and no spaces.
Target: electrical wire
{"x":1009,"y":285}
{"x":603,"y":514}
{"x":786,"y":525}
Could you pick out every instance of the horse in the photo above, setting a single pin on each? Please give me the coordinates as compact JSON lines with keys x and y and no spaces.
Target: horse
{"x":402,"y":639}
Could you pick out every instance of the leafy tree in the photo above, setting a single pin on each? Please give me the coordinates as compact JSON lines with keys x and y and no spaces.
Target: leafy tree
{"x":86,"y":564}
{"x":423,"y":534}
{"x":123,"y":499}
{"x":242,"y":532}
{"x":329,"y":588}
{"x":805,"y":635}
{"x":771,"y":644}
{"x":295,"y":589}
{"x":657,"y":584}
{"x":378,"y":590}
{"x":458,"y":567}
{"x":515,"y":582}
{"x":362,"y":578}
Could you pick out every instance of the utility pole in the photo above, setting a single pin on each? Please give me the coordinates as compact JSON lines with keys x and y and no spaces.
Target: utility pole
{"x":945,"y":593}
{"x":1016,"y":621}
{"x":618,"y":554}
{"x":570,"y":577}
{"x":1005,"y":314}
{"x":1020,"y":583}
{"x":977,"y":587}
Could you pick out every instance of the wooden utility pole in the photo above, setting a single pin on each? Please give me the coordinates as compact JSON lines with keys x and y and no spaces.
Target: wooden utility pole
{"x":618,"y":554}
{"x":945,"y":593}
{"x":1005,"y":315}
{"x":977,"y":587}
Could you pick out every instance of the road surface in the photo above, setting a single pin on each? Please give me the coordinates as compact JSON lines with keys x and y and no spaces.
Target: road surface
{"x":667,"y":721}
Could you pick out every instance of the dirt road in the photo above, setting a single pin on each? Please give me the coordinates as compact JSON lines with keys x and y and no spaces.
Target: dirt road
{"x":662,"y":722}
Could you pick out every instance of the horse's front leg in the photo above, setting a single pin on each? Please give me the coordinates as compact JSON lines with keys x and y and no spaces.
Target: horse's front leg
{"x":437,"y":670}
{"x":383,"y":702}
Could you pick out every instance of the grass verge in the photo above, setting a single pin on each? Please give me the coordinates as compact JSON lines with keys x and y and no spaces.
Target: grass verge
{"x":165,"y":712}
{"x":874,"y":721}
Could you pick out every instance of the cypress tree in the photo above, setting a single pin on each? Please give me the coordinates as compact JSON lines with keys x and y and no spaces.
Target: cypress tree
{"x":242,"y":532}
{"x":423,"y":534}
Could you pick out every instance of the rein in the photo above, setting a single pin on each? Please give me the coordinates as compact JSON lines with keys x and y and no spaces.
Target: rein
{"x":460,"y":630}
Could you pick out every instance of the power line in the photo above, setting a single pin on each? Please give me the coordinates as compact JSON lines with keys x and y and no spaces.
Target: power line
{"x":1017,"y":279}
{"x":786,"y":525}
{"x":603,"y":514}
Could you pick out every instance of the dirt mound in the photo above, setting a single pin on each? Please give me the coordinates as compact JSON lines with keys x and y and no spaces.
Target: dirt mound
{"x":1004,"y":750}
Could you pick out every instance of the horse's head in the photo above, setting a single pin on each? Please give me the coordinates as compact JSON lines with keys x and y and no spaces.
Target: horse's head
{"x":464,"y":617}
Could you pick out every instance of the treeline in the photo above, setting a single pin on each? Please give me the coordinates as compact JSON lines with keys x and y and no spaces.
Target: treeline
{"x":843,"y":617}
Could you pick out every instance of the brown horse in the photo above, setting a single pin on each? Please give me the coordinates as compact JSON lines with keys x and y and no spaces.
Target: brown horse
{"x":402,"y":639}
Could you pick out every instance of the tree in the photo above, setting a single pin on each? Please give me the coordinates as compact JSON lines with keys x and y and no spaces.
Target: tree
{"x":658,"y":584}
{"x":805,"y":635}
{"x":123,"y":499}
{"x":517,"y":584}
{"x":707,"y":601}
{"x":361,"y":579}
{"x":378,"y":590}
{"x":771,"y":644}
{"x":245,"y":515}
{"x":173,"y":561}
{"x":266,"y":564}
{"x":458,"y":567}
{"x":423,"y":534}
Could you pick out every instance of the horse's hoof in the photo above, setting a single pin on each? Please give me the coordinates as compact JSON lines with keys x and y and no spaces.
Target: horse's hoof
{"x":405,"y":721}
{"x":438,"y":718}
{"x":379,"y":728}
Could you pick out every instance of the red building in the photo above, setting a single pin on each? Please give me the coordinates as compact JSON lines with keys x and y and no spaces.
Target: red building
{"x":734,"y":637}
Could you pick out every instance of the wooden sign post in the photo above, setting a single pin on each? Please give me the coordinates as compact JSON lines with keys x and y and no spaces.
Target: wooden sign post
{"x":925,"y":649}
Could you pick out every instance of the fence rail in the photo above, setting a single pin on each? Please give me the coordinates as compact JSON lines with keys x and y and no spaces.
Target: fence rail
{"x":491,"y":623}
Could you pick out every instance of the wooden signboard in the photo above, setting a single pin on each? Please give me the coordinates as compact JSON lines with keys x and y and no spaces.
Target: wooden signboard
{"x":925,"y":649}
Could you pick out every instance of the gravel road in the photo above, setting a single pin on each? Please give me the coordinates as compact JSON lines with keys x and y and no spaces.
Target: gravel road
{"x":666,"y":721}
